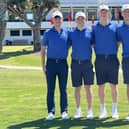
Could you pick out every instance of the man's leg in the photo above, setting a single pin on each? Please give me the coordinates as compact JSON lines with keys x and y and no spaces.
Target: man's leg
{"x":101,"y":94}
{"x":89,"y":101}
{"x":125,"y":68}
{"x":63,"y":76}
{"x":114,"y":94}
{"x":76,"y":82}
{"x":77,"y":96}
{"x":89,"y":96}
{"x":128,"y":92}
{"x":51,"y":78}
{"x":127,"y":118}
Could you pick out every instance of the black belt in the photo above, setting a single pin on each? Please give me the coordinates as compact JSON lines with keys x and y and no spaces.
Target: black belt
{"x":56,"y":60}
{"x":80,"y":61}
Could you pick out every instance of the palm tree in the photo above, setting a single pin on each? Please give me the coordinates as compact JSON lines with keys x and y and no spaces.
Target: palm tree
{"x":2,"y":21}
{"x":39,"y":9}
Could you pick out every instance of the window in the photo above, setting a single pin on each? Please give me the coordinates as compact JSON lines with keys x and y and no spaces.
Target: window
{"x":13,"y":18}
{"x":65,"y":13}
{"x":42,"y":32}
{"x":29,"y":16}
{"x":15,"y":33}
{"x":116,"y":13}
{"x":92,"y":12}
{"x":26,"y":32}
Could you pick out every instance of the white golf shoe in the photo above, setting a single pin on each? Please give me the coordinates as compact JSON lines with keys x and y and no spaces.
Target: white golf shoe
{"x":127,"y":118}
{"x":89,"y":114}
{"x":64,"y":116}
{"x":103,"y":115}
{"x":78,"y":113}
{"x":50,"y":116}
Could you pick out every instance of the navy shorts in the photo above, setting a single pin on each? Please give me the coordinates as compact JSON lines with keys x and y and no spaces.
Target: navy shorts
{"x":107,"y":68}
{"x":82,"y":71}
{"x":125,"y":68}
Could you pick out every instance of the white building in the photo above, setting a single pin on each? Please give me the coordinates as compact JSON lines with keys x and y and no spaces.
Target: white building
{"x":20,"y":32}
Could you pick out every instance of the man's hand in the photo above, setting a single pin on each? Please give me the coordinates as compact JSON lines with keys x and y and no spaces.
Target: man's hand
{"x":44,"y":69}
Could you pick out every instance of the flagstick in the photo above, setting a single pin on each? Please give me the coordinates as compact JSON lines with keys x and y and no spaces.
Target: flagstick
{"x":86,"y":13}
{"x":70,"y":18}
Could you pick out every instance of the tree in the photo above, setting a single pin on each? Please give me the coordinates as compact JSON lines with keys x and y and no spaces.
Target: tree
{"x":39,"y":9}
{"x":2,"y":21}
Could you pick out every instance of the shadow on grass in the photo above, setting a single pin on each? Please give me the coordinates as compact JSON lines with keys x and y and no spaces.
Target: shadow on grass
{"x":6,"y":55}
{"x":71,"y":123}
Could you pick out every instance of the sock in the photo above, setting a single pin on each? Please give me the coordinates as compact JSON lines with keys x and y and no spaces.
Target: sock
{"x":114,"y":107}
{"x":102,"y":107}
{"x":79,"y":109}
{"x":89,"y":109}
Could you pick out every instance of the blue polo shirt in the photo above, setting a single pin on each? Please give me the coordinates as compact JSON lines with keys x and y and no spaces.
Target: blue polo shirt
{"x":56,"y":42}
{"x":81,"y":44}
{"x":105,"y":39}
{"x":123,"y":36}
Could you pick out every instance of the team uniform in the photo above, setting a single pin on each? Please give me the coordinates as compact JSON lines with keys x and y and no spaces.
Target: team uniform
{"x":81,"y":66}
{"x":123,"y":36}
{"x":56,"y":65}
{"x":106,"y":47}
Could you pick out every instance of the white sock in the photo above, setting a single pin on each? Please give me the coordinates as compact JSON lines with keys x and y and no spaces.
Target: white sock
{"x":102,"y":107}
{"x":90,"y":109}
{"x":114,"y":107}
{"x":79,"y":109}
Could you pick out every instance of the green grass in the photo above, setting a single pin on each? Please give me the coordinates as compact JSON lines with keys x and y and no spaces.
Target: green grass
{"x":19,"y":56}
{"x":24,"y":56}
{"x":23,"y":97}
{"x":23,"y":104}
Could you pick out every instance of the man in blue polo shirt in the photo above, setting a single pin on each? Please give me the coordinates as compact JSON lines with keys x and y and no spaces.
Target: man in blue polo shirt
{"x":82,"y":69}
{"x":55,"y":41}
{"x":106,"y":63}
{"x":123,"y":36}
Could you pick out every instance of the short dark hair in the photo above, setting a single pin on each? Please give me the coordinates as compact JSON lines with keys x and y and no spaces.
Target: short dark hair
{"x":57,"y":17}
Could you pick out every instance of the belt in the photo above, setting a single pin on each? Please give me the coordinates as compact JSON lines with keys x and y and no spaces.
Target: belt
{"x":56,"y":60}
{"x":80,"y":61}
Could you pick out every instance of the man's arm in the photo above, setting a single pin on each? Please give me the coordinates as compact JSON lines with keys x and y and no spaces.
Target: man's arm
{"x":43,"y":49}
